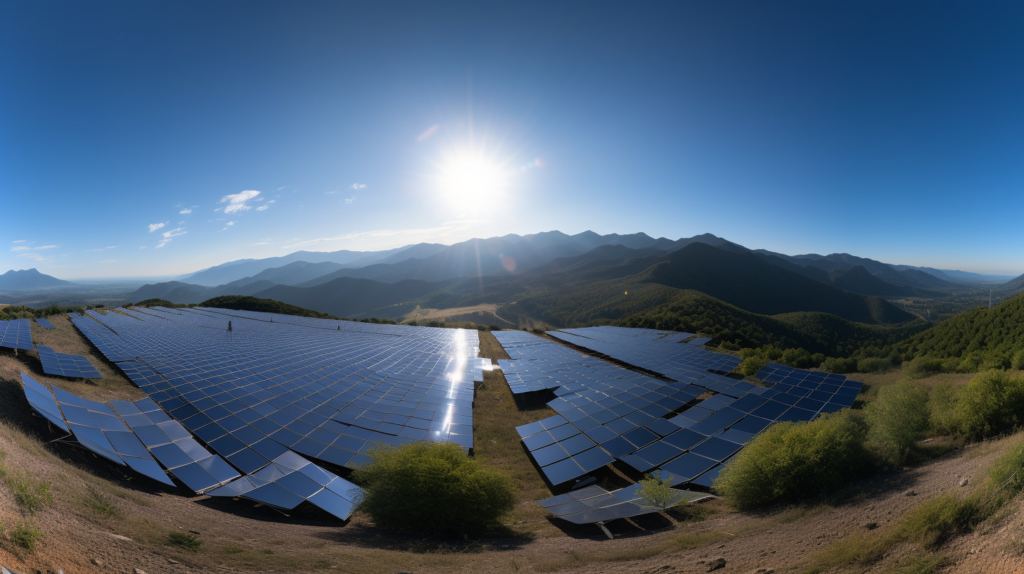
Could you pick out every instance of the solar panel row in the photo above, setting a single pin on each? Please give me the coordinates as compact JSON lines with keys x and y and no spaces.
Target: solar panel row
{"x":16,"y":334}
{"x":592,"y":504}
{"x":331,"y":390}
{"x":140,"y":434}
{"x":45,"y":323}
{"x":686,"y":430}
{"x":61,"y":365}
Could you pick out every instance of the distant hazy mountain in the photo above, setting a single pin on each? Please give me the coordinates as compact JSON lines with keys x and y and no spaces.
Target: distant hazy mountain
{"x":908,"y":277}
{"x":954,"y":276}
{"x":348,"y":297}
{"x":29,"y":279}
{"x":235,"y":270}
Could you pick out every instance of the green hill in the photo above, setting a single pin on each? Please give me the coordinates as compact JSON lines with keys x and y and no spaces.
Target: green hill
{"x":833,"y":336}
{"x":977,"y":338}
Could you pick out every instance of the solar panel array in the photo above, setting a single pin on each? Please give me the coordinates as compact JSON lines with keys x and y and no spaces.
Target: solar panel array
{"x":330,"y":390}
{"x":650,"y":349}
{"x":592,"y":504}
{"x":45,"y":323}
{"x":96,"y":427}
{"x":61,"y":365}
{"x":16,"y":334}
{"x":140,"y":434}
{"x":685,"y":430}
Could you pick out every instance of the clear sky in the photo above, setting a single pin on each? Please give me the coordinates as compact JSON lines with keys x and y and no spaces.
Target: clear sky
{"x":157,"y":138}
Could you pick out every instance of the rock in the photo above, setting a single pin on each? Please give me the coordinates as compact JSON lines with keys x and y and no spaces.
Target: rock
{"x":139,"y":571}
{"x":910,"y":492}
{"x":871,"y":525}
{"x":715,"y":564}
{"x":964,"y":482}
{"x":764,"y":571}
{"x":97,"y":562}
{"x":172,"y":561}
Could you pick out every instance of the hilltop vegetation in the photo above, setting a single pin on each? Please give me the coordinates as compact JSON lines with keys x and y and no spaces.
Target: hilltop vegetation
{"x":239,"y":303}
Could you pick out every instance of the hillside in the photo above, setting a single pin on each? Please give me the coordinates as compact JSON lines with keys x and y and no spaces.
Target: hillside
{"x":742,"y":279}
{"x":833,"y":336}
{"x":986,"y":336}
{"x":348,"y":297}
{"x":29,"y":279}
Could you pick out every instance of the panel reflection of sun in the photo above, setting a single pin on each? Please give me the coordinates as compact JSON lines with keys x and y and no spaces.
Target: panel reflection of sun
{"x":469,"y":180}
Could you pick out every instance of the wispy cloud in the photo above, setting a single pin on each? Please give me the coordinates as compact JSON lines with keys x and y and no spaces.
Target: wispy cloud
{"x":280,"y":188}
{"x":45,"y":247}
{"x":20,"y":248}
{"x":185,"y":211}
{"x":357,"y":186}
{"x":351,"y":199}
{"x":142,"y":247}
{"x":168,"y":235}
{"x":154,"y":226}
{"x":105,"y":248}
{"x":237,"y":201}
{"x":265,"y":206}
{"x":19,"y":241}
{"x":35,"y":256}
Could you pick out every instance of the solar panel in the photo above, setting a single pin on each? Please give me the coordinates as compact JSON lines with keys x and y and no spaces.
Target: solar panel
{"x":61,"y":365}
{"x":326,"y":389}
{"x":45,"y":323}
{"x":289,"y":481}
{"x":96,"y":427}
{"x":699,"y":341}
{"x":595,"y":504}
{"x":16,"y":334}
{"x":650,"y":424}
{"x":41,"y":400}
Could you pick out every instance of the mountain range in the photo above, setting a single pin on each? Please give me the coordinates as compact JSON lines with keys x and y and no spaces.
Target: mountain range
{"x":28,"y":280}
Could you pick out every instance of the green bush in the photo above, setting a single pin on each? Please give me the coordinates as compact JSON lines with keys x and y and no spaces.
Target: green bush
{"x":433,"y":488}
{"x":185,"y":541}
{"x":1018,"y":360}
{"x":751,"y":365}
{"x":942,"y":407}
{"x":839,"y":366}
{"x":873,"y":365}
{"x":923,"y":367}
{"x":25,"y":535}
{"x":991,"y":403}
{"x":896,"y":420}
{"x":1007,"y":473}
{"x":791,"y":461}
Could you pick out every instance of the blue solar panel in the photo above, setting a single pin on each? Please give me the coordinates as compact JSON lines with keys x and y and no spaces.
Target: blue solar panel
{"x":16,"y":334}
{"x":645,"y":423}
{"x":61,"y":365}
{"x":42,"y":401}
{"x":45,"y":323}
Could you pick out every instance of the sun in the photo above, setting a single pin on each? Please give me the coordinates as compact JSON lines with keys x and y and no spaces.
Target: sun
{"x":469,"y":179}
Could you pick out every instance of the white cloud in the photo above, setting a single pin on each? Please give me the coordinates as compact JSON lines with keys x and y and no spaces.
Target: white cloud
{"x":230,"y":223}
{"x":20,"y":248}
{"x":45,"y":247}
{"x":185,"y":211}
{"x":19,"y":241}
{"x":154,"y":226}
{"x":265,"y":206}
{"x":357,"y":186}
{"x":280,"y":188}
{"x":142,"y":247}
{"x":237,"y":201}
{"x":105,"y":248}
{"x":35,"y":256}
{"x":170,"y":234}
{"x":351,"y":199}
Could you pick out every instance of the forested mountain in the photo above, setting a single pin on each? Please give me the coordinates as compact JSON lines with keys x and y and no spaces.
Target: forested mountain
{"x":29,"y":279}
{"x":908,"y":277}
{"x":348,"y":297}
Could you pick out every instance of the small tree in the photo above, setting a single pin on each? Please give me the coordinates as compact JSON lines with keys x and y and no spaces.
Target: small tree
{"x":657,"y":491}
{"x":433,"y":488}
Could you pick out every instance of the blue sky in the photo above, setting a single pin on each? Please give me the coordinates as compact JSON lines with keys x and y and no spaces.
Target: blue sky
{"x":134,"y":136}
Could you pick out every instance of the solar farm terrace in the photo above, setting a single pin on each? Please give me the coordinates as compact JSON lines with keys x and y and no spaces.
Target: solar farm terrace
{"x":685,"y":425}
{"x":269,"y":395}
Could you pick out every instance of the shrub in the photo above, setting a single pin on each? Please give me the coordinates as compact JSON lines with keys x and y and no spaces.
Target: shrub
{"x":942,"y":407}
{"x":751,"y":365}
{"x":896,"y":420}
{"x":657,"y":491}
{"x":833,"y":365}
{"x":25,"y":535}
{"x":1007,"y":473}
{"x":873,"y":365}
{"x":1018,"y":360}
{"x":427,"y":487}
{"x":991,"y":403}
{"x":791,"y":461}
{"x":939,"y":518}
{"x":186,"y":541}
{"x":923,"y":367}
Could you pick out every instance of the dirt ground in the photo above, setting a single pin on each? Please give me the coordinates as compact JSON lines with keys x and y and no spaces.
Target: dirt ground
{"x":103,"y":520}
